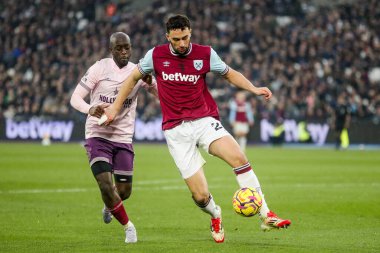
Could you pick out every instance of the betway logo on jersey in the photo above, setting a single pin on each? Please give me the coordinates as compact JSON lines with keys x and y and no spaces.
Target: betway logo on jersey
{"x":180,"y":77}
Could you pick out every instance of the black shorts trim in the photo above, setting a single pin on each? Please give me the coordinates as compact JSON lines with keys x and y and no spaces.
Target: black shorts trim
{"x":100,"y":167}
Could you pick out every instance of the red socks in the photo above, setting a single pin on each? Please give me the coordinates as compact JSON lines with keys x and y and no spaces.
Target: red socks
{"x":119,"y":213}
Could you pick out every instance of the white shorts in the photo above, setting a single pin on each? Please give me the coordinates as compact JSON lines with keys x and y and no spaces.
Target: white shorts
{"x":241,"y":128}
{"x":183,"y":142}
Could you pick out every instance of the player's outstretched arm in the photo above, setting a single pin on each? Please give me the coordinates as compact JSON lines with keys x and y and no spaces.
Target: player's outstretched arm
{"x":77,"y":99}
{"x":237,"y":79}
{"x":126,"y":89}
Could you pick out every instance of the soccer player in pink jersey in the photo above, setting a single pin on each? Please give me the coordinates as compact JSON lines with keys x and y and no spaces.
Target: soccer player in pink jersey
{"x":191,"y":117}
{"x":110,"y":149}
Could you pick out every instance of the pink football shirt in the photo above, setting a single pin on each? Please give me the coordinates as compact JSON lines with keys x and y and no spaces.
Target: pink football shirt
{"x":103,"y":81}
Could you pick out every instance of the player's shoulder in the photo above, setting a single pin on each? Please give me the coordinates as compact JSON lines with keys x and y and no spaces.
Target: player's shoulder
{"x":130,"y":65}
{"x":102,"y":63}
{"x":199,"y":46}
{"x":200,"y":50}
{"x":164,"y":48}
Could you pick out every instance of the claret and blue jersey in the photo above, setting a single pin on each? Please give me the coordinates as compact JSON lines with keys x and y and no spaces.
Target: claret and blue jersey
{"x":181,"y":81}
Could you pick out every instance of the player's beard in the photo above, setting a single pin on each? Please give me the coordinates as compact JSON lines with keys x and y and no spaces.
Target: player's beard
{"x":185,"y":51}
{"x":123,"y":61}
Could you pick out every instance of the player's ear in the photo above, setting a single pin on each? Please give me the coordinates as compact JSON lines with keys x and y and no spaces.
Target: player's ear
{"x":167,"y":37}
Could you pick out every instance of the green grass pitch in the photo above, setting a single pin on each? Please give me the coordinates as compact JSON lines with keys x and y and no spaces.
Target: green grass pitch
{"x":49,"y":202}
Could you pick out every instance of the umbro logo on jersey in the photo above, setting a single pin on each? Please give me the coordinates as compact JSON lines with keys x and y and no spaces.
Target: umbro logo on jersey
{"x":180,"y":77}
{"x":166,"y":63}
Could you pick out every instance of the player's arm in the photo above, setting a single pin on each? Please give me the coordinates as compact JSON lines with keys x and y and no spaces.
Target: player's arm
{"x":144,"y":68}
{"x":151,"y":84}
{"x":125,"y":90}
{"x":249,"y":114}
{"x":236,"y":78}
{"x":232,"y":114}
{"x":84,"y":87}
{"x":77,"y":101}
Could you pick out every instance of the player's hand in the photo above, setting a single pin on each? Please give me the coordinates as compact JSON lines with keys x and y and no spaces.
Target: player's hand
{"x":111,"y":113}
{"x":263,"y":91}
{"x":147,"y":78}
{"x":97,"y":110}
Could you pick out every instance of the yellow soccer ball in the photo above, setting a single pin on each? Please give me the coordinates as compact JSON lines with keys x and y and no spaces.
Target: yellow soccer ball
{"x":247,"y":202}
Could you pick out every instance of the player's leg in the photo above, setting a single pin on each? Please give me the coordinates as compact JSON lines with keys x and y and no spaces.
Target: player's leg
{"x":218,"y":142}
{"x":242,"y":141}
{"x":123,"y":188}
{"x":123,"y":174}
{"x":102,"y":172}
{"x":183,"y":148}
{"x":198,"y":187}
{"x":240,"y":132}
{"x":100,"y":153}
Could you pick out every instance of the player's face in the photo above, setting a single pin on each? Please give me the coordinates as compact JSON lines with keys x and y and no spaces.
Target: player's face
{"x":121,"y":52}
{"x":179,"y":39}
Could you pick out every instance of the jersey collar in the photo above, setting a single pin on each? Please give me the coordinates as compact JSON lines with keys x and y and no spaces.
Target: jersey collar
{"x":114,"y":65}
{"x":174,"y":53}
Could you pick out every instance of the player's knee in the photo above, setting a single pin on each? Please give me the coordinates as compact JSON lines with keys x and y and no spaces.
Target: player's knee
{"x":125,"y":194}
{"x":239,"y":159}
{"x":201,"y":198}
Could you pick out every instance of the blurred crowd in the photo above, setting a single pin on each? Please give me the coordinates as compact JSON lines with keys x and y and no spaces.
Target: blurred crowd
{"x":307,"y":55}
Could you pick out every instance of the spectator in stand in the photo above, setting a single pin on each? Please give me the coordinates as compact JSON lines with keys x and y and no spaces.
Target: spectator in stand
{"x":325,"y":50}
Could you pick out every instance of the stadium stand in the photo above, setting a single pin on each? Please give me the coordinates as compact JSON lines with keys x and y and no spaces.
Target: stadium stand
{"x":306,"y":54}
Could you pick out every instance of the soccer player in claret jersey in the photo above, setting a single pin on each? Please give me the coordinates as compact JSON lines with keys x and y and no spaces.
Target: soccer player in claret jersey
{"x":191,"y":119}
{"x":241,"y":118}
{"x":110,"y":149}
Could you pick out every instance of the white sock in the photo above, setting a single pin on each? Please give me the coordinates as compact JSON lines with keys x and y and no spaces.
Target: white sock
{"x":243,"y":143}
{"x":210,"y":207}
{"x":247,"y":178}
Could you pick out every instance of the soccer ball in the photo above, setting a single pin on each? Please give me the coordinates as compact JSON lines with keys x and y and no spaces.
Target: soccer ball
{"x":247,"y":202}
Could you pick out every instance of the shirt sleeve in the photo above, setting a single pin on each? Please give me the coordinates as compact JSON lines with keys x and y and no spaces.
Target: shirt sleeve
{"x":90,"y":79}
{"x":249,"y":113}
{"x":232,"y":115}
{"x":217,"y":65}
{"x":77,"y":99}
{"x":84,"y":87}
{"x":145,"y":65}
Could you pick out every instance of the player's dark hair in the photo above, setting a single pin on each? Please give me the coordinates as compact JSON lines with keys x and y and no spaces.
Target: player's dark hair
{"x":177,"y":22}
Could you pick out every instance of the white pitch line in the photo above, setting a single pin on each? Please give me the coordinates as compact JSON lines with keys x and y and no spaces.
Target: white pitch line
{"x":184,"y":187}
